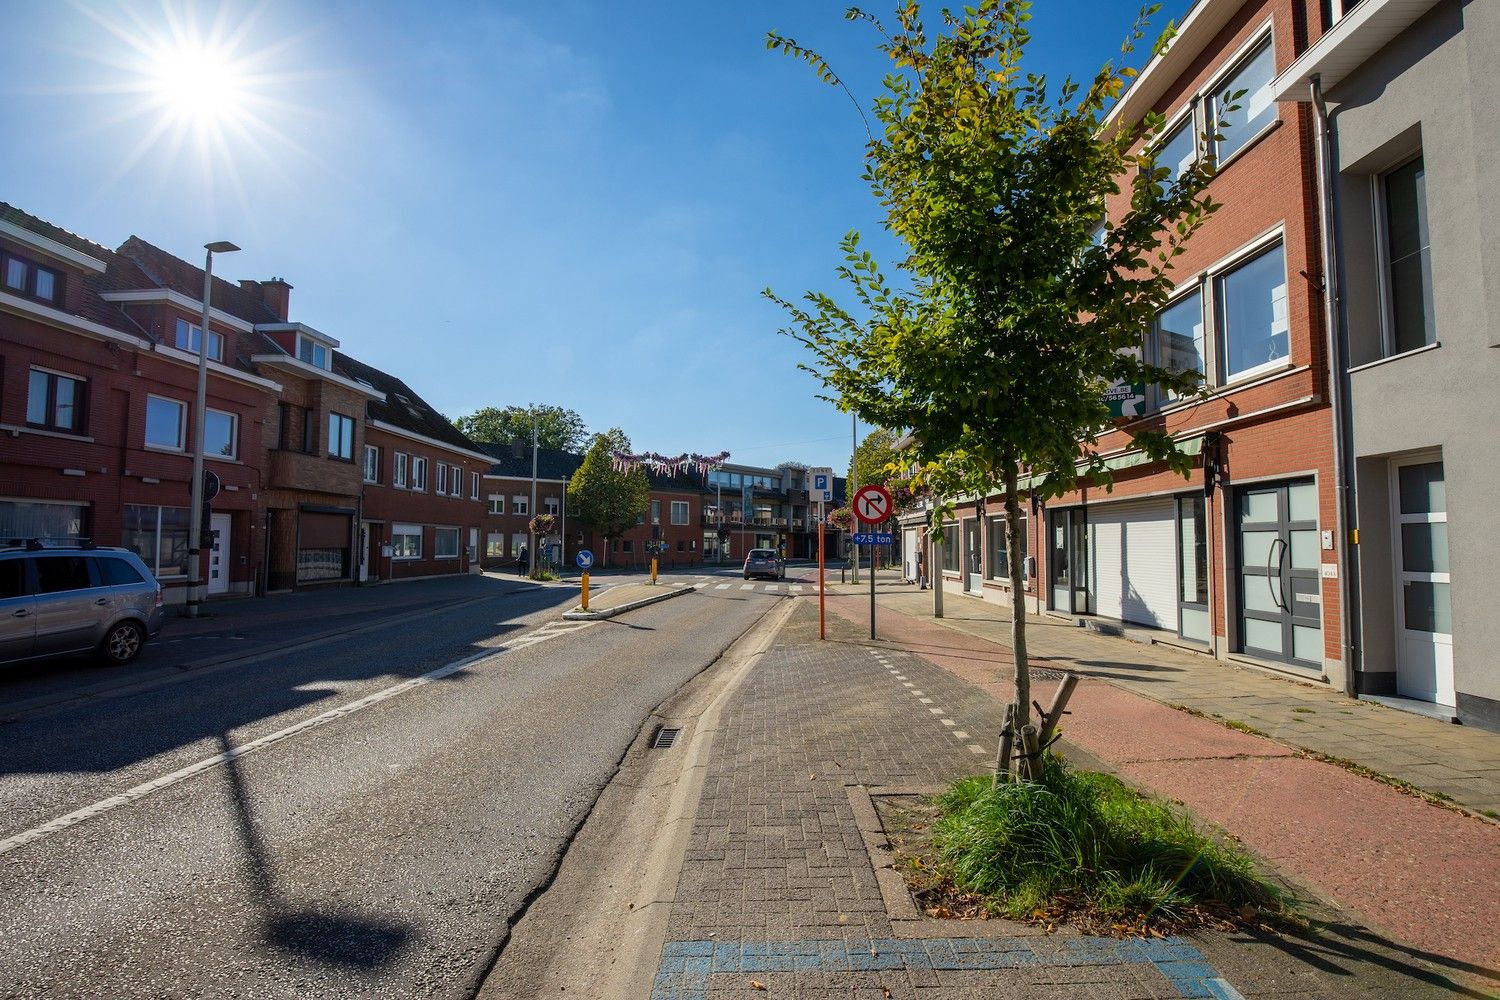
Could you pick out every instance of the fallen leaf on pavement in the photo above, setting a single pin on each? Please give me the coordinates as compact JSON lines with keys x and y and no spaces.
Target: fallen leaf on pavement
{"x":756,"y":984}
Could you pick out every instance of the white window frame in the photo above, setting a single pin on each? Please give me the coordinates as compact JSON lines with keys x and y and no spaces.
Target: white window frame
{"x":316,"y":346}
{"x":1383,"y":260}
{"x":473,"y":486}
{"x":398,"y":470}
{"x":495,"y":503}
{"x":490,"y":548}
{"x":407,"y":531}
{"x":437,"y":534}
{"x":442,"y":478}
{"x":520,"y":505}
{"x":234,"y":435}
{"x":1156,"y":399}
{"x":687,"y":511}
{"x":215,"y":340}
{"x":1210,"y":94}
{"x":418,"y":478}
{"x":181,"y":444}
{"x":372,"y":463}
{"x":455,"y":480}
{"x":551,"y":505}
{"x":1245,"y":255}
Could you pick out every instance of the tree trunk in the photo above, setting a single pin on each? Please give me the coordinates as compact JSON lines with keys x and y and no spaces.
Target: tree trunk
{"x":1017,"y":560}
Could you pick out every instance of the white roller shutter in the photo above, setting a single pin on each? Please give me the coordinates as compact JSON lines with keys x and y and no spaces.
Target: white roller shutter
{"x":1132,"y":563}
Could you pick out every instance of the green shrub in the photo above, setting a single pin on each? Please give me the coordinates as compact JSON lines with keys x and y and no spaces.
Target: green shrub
{"x":1081,"y":839}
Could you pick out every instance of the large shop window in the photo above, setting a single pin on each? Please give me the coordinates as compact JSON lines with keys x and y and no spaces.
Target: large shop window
{"x":1252,"y":315}
{"x":1192,"y":568}
{"x":159,"y":535}
{"x":950,"y":548}
{"x":999,"y":568}
{"x":47,"y":522}
{"x":323,"y":540}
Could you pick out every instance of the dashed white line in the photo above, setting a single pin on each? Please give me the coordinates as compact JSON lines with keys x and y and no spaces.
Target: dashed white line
{"x":934,"y":711}
{"x":147,"y":788}
{"x":748,"y":586}
{"x":976,"y":749}
{"x":925,"y":701}
{"x":948,"y":722}
{"x":959,"y":734}
{"x":723,"y":586}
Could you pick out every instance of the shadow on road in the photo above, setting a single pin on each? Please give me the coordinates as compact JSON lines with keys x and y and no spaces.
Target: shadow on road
{"x":327,"y":937}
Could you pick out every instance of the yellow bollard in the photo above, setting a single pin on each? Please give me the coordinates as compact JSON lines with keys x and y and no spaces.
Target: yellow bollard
{"x":653,"y":571}
{"x":585,"y":591}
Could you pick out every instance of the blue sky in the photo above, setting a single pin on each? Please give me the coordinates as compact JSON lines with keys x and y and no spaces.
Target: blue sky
{"x":566,"y":202}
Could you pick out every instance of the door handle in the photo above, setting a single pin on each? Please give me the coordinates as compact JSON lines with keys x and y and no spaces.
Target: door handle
{"x":1275,"y":588}
{"x":101,"y":602}
{"x":21,"y":613}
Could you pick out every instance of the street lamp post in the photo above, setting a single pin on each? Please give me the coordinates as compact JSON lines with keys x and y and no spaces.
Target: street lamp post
{"x":531,"y":510}
{"x":195,"y":514}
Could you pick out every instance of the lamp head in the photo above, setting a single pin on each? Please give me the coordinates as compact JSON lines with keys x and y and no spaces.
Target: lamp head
{"x":220,"y":246}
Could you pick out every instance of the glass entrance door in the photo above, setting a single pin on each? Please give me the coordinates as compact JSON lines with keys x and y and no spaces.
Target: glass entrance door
{"x":1067,"y":561}
{"x":973,"y":554}
{"x":1424,"y":667}
{"x":1280,"y":592}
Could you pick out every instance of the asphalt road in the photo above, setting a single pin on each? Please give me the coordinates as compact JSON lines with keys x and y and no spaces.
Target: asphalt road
{"x":377,"y":852}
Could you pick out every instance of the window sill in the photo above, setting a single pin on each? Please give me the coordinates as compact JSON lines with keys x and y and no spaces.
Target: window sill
{"x":226,"y":459}
{"x":162,"y":449}
{"x":1251,"y":143}
{"x":14,"y":429}
{"x":1396,"y":357}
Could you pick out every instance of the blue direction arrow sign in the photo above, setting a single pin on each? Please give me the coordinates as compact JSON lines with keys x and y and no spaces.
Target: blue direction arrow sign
{"x":873,"y":537}
{"x":584,"y":559}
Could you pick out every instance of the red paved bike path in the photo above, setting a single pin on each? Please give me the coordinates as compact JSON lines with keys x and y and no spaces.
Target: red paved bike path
{"x":1426,"y":876}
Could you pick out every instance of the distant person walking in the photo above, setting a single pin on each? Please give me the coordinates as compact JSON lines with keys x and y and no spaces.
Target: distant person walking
{"x":523,"y":561}
{"x":922,"y":567}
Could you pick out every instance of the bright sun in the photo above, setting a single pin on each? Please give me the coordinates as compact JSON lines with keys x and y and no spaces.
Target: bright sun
{"x":199,"y":85}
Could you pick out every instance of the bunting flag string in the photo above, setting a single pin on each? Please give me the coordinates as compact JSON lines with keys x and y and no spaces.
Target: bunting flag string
{"x":662,"y":464}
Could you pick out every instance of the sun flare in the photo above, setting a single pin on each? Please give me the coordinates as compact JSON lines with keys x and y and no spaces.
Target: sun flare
{"x":197,"y":84}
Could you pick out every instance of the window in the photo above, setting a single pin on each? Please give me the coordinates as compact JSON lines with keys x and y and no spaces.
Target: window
{"x":442,"y":478}
{"x":473,"y":486}
{"x":27,"y":278}
{"x":656,"y":512}
{"x":418,"y":472}
{"x":165,"y":423}
{"x":999,"y":568}
{"x":551,"y":505}
{"x":1251,"y":111}
{"x":950,"y":548}
{"x":116,"y":572}
{"x":56,"y":574}
{"x":1192,"y":568}
{"x":1252,"y":315}
{"x":406,"y":541}
{"x":312,"y":352}
{"x":12,"y":578}
{"x":55,"y":402}
{"x":679,"y":512}
{"x":341,"y":436}
{"x":629,"y":546}
{"x":497,"y":504}
{"x":190,"y":338}
{"x":1177,"y":336}
{"x":518,"y":541}
{"x":398,"y":470}
{"x":494,"y":545}
{"x":47,"y":522}
{"x":456,"y":480}
{"x":520,"y":505}
{"x":221,"y":433}
{"x":372,"y":464}
{"x":159,"y":535}
{"x":1178,"y":150}
{"x":1408,"y":260}
{"x":445,"y":543}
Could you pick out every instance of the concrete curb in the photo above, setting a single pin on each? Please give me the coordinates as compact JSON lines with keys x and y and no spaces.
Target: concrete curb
{"x":589,"y":616}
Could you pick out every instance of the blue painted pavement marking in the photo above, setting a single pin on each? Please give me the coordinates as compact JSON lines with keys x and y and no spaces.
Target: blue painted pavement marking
{"x":686,"y":965}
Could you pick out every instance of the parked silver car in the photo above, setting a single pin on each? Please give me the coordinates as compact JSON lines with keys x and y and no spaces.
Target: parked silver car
{"x":765,"y":562}
{"x":75,"y":600}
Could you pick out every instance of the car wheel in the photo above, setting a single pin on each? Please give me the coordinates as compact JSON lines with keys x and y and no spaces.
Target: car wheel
{"x":747,"y":576}
{"x":122,"y":643}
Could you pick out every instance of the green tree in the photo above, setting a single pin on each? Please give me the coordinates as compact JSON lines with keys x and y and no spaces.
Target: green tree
{"x":556,"y":426}
{"x":869,"y":462}
{"x":614,"y":439}
{"x":1018,"y":307}
{"x":604,"y":498}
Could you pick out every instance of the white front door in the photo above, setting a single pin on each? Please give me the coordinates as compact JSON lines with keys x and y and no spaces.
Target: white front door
{"x":218,"y":555}
{"x":1424,"y":618}
{"x":364,"y":552}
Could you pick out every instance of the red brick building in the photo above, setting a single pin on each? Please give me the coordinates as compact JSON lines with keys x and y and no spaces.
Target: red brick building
{"x":1245,"y":566}
{"x":98,"y":355}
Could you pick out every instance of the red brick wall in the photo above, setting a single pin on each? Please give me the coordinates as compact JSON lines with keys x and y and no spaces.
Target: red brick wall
{"x":383,"y":502}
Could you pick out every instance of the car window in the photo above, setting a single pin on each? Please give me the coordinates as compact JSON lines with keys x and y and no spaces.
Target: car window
{"x":55,"y":574}
{"x":12,"y":578}
{"x":116,"y":572}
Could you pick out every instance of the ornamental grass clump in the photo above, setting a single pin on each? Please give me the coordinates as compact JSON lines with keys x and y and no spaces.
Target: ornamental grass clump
{"x":1084,"y":842}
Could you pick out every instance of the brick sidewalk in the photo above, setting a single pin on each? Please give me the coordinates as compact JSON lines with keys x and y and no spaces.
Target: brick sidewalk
{"x":778,"y":896}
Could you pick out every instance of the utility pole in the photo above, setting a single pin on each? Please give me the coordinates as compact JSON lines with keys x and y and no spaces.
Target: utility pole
{"x":195,"y":515}
{"x":531,"y":511}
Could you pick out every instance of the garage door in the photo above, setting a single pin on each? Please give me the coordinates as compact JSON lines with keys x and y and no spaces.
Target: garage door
{"x":1132,"y":563}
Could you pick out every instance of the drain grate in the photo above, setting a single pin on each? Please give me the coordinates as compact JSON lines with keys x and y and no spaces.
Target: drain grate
{"x":665,"y":738}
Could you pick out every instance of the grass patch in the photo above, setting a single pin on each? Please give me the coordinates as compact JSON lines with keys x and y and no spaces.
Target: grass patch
{"x":1083,"y":843}
{"x":1303,"y":710}
{"x":1245,"y":727}
{"x":1492,"y":814}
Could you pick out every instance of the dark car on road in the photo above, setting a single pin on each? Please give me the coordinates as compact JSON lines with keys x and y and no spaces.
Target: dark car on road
{"x":765,"y":562}
{"x":75,"y":599}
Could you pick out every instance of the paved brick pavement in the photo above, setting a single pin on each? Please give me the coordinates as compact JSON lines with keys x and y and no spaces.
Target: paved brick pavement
{"x":778,"y":897}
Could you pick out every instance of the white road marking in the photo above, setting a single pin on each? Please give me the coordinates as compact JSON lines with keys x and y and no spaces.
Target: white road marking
{"x":796,"y":588}
{"x":976,"y":749}
{"x":907,"y":684}
{"x":918,"y":693}
{"x":748,"y":586}
{"x":959,"y":734}
{"x":925,"y":701}
{"x":948,"y":722}
{"x":934,"y":711}
{"x":182,"y":774}
{"x":723,"y":586}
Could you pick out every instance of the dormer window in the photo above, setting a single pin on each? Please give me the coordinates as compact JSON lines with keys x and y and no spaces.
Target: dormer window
{"x":27,"y":278}
{"x":312,"y":352}
{"x":190,"y":337}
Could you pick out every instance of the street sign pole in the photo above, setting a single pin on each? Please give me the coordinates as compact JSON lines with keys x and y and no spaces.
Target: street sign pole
{"x":872,"y":506}
{"x":822,"y":624}
{"x":873,"y":549}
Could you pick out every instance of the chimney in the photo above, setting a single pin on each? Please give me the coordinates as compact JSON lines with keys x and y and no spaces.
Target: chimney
{"x":277,"y":295}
